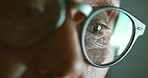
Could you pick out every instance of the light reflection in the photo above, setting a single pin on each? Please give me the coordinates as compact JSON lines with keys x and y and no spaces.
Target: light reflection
{"x":122,"y":33}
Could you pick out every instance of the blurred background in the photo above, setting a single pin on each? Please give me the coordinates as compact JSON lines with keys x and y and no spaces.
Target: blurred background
{"x":135,"y":64}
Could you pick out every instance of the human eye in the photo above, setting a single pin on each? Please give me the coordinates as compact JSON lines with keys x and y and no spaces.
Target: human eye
{"x":97,"y":28}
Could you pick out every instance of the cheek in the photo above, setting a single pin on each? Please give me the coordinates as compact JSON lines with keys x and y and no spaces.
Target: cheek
{"x":92,"y":72}
{"x":98,"y":49}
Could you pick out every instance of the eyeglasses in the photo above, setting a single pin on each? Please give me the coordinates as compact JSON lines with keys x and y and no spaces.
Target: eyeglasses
{"x":107,"y":35}
{"x":106,"y":41}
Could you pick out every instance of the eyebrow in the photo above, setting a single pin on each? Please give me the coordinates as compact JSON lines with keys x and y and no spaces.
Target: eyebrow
{"x":100,"y":3}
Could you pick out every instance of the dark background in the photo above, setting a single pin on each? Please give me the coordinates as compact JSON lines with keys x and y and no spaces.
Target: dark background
{"x":135,"y":64}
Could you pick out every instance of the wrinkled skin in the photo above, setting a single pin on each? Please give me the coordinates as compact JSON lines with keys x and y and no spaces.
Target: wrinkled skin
{"x":57,"y":55}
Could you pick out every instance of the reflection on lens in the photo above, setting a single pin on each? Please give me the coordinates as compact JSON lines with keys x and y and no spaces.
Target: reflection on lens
{"x":107,"y":36}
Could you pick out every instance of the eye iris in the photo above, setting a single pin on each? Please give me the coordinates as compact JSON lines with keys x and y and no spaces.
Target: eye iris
{"x":96,"y":28}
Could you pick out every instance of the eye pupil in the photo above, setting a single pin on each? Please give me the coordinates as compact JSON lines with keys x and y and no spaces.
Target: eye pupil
{"x":96,"y":28}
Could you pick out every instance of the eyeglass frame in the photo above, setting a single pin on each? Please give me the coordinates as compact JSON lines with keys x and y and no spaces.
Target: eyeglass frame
{"x":88,"y":11}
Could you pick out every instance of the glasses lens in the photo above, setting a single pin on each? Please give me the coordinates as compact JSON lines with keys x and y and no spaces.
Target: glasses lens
{"x":52,"y":17}
{"x":107,"y":36}
{"x":30,"y":22}
{"x":56,"y":14}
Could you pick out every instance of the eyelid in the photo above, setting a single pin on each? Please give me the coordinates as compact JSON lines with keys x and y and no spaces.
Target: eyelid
{"x":106,"y":27}
{"x":102,"y":19}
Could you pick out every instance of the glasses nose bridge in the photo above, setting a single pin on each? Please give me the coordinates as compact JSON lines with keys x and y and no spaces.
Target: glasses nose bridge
{"x":78,"y":12}
{"x":83,"y":8}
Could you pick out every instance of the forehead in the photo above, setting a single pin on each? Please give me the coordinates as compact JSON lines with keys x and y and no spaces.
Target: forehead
{"x":100,"y":2}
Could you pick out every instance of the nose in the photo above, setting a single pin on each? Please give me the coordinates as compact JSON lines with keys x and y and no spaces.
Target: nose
{"x":61,"y":53}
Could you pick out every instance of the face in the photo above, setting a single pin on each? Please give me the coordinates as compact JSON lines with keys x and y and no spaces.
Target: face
{"x":23,"y":52}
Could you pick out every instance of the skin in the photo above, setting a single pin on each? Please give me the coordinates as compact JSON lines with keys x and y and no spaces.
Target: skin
{"x":56,"y":56}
